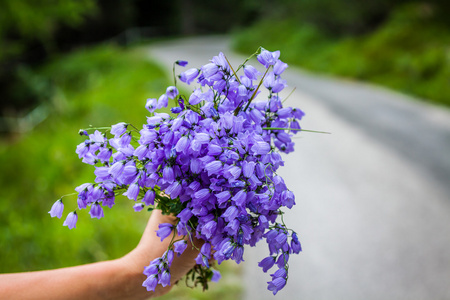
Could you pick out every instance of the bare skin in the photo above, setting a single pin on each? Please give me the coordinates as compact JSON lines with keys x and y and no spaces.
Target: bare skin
{"x":115,"y":279}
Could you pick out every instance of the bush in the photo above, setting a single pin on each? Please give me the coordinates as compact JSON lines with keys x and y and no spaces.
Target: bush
{"x":409,"y":52}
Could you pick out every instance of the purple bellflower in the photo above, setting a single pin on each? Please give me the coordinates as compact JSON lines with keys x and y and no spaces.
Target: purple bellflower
{"x":57,"y":209}
{"x":212,"y":163}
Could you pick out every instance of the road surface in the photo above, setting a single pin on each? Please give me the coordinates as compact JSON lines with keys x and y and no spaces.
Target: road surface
{"x":373,"y":198}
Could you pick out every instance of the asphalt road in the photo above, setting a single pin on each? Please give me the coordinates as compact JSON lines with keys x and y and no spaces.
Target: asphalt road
{"x":373,"y":197}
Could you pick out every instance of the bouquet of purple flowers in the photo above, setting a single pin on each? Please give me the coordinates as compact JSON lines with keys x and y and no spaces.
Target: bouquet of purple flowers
{"x":211,"y":162}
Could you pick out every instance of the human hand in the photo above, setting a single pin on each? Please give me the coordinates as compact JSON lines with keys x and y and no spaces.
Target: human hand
{"x":151,"y":247}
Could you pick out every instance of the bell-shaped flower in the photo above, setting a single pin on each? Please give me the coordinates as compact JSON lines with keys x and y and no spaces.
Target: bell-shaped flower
{"x":296,"y":247}
{"x":149,"y":197}
{"x":209,"y":70}
{"x":71,"y":220}
{"x":57,"y":209}
{"x":267,"y":263}
{"x":276,"y":285}
{"x":132,"y":192}
{"x":189,"y":75}
{"x":165,"y":229}
{"x":260,"y":148}
{"x":223,"y":196}
{"x":96,"y":211}
{"x":163,"y":101}
{"x":119,"y":128}
{"x":165,"y":278}
{"x":179,"y":247}
{"x":230,"y":213}
{"x":182,"y":63}
{"x":213,"y":167}
{"x":185,"y":215}
{"x":151,"y":104}
{"x":239,"y":198}
{"x":267,"y":58}
{"x":251,"y":72}
{"x":279,"y":67}
{"x":151,"y":282}
{"x":171,"y":92}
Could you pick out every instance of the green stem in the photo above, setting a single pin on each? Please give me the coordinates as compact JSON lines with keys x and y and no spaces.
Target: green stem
{"x":174,"y":77}
{"x":258,"y":51}
{"x":294,"y":129}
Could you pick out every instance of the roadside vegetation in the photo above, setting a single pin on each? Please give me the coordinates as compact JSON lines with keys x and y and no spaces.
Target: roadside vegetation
{"x":409,"y":51}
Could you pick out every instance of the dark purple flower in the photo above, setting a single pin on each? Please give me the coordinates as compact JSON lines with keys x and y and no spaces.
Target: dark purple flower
{"x":295,"y":244}
{"x":179,"y":247}
{"x":181,"y":63}
{"x":276,"y":284}
{"x":202,"y":194}
{"x":185,"y":215}
{"x":240,"y":198}
{"x":96,"y":211}
{"x":223,"y":196}
{"x":248,"y":168}
{"x":230,"y":213}
{"x":294,"y":125}
{"x":149,"y":197}
{"x":267,"y":263}
{"x":195,"y":165}
{"x":176,"y":110}
{"x":238,"y":254}
{"x":165,"y":229}
{"x":298,"y":113}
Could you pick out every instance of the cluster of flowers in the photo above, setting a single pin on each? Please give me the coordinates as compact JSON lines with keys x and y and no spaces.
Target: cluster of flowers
{"x":212,"y":162}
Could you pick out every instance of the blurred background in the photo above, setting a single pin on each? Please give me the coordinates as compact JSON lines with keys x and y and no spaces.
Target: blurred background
{"x":68,"y":64}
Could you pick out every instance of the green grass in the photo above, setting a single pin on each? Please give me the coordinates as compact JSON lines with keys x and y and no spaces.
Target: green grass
{"x":100,"y":86}
{"x":408,"y":53}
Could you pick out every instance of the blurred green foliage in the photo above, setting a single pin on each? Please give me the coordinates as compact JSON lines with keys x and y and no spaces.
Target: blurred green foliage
{"x":408,"y":52}
{"x":102,"y":86}
{"x":22,"y":21}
